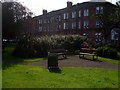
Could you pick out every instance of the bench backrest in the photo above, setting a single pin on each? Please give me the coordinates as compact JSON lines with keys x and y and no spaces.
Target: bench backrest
{"x":88,"y":50}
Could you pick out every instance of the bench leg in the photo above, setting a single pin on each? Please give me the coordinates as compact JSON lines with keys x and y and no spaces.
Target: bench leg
{"x":80,"y":55}
{"x":64,"y":56}
{"x":93,"y":57}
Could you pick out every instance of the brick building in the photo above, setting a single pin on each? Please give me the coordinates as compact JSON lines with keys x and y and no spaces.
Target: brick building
{"x":74,"y":19}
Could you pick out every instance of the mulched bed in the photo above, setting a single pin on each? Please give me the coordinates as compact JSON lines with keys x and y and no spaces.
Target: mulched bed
{"x":75,"y":61}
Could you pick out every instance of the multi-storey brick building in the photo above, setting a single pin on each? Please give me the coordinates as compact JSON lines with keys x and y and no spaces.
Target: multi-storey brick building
{"x":74,"y":19}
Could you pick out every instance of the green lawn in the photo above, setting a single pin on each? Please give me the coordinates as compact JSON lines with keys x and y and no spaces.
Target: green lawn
{"x":23,"y":76}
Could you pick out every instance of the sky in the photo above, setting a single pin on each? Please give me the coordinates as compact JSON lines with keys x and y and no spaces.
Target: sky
{"x":37,"y":6}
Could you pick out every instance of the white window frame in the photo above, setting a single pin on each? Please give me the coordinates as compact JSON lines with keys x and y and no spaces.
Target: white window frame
{"x":85,"y":34}
{"x":66,"y":15}
{"x":98,"y":24}
{"x":79,"y":25}
{"x":40,"y":28}
{"x":40,"y":21}
{"x":86,"y":24}
{"x":74,"y":14}
{"x":65,"y":26}
{"x":98,"y":37}
{"x":73,"y":25}
{"x":79,"y":13}
{"x":114,"y":35}
{"x":99,"y":10}
{"x":59,"y":18}
{"x":86,"y":12}
{"x":58,"y":27}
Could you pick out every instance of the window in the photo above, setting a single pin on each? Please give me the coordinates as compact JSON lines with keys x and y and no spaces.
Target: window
{"x":98,"y":23}
{"x":86,"y":12}
{"x":59,"y":18}
{"x":44,"y":20}
{"x":48,"y":28}
{"x":73,"y":25}
{"x":66,"y":25}
{"x":51,"y":19}
{"x":85,"y":34}
{"x":74,"y":14}
{"x":65,"y":15}
{"x":86,"y":24}
{"x":79,"y":25}
{"x":48,"y":21}
{"x":114,"y":35}
{"x":99,"y":10}
{"x":98,"y":37}
{"x":58,"y":27}
{"x":45,"y":29}
{"x":40,"y":28}
{"x":40,"y":21}
{"x":79,"y":13}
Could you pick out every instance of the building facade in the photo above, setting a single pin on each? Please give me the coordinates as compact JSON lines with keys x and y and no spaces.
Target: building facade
{"x":74,"y":19}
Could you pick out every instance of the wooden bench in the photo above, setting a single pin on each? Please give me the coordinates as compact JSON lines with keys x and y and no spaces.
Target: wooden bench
{"x":59,"y":52}
{"x":88,"y":51}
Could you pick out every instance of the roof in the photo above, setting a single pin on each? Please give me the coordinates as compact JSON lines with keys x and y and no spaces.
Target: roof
{"x":74,"y":7}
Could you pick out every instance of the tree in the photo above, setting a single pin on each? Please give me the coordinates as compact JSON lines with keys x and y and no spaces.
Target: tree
{"x":12,"y":14}
{"x":116,"y":16}
{"x":106,"y":22}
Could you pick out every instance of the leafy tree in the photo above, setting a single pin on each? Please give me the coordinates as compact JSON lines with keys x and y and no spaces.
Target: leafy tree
{"x":12,"y":15}
{"x":108,"y":20}
{"x":116,"y":16}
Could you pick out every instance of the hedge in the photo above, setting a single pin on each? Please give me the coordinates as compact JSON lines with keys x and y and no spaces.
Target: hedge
{"x":107,"y":52}
{"x":39,"y":46}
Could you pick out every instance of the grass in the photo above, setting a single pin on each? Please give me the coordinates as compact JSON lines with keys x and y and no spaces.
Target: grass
{"x":117,"y":62}
{"x":0,"y":78}
{"x":113,"y":61}
{"x":23,"y":76}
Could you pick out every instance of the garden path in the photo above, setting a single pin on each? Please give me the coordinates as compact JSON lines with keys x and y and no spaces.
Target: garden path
{"x":75,"y":61}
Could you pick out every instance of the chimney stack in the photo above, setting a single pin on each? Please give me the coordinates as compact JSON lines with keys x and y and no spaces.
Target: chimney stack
{"x":44,"y":12}
{"x":69,"y":4}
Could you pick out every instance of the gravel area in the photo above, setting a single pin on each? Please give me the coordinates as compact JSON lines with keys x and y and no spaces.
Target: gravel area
{"x":75,"y":61}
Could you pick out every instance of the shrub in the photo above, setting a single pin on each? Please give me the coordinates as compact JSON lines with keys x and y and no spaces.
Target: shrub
{"x":107,"y":52}
{"x":38,"y":46}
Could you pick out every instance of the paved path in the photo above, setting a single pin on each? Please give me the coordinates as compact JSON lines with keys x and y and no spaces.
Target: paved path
{"x":75,"y":61}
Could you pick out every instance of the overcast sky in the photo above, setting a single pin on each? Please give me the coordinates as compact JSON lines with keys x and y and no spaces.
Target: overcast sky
{"x":37,"y":6}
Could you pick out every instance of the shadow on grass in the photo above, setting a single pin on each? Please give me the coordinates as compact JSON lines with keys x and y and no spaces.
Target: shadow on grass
{"x":55,"y":70}
{"x":9,"y":60}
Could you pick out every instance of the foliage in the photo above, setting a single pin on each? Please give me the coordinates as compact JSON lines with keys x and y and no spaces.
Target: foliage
{"x":115,"y":17}
{"x":13,"y":13}
{"x":39,"y":46}
{"x":9,"y":60}
{"x":25,"y":76}
{"x":107,"y":52}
